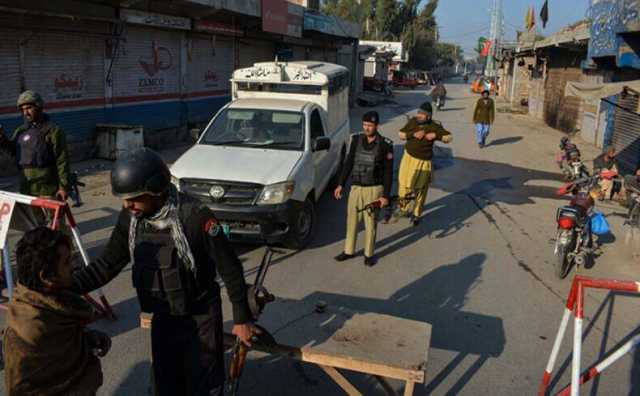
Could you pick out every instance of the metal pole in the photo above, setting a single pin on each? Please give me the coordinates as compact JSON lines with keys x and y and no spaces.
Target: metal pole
{"x":577,"y":342}
{"x":8,"y":275}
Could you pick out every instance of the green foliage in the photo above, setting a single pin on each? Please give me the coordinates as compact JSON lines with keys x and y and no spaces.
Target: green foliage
{"x":398,"y":20}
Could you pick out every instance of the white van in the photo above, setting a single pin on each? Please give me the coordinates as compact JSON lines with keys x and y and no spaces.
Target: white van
{"x":267,"y":156}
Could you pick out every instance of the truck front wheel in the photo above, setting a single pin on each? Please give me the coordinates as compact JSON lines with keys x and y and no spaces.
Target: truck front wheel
{"x":302,"y":226}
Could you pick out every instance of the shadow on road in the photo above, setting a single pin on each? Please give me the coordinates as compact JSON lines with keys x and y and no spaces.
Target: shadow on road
{"x":137,"y":379}
{"x":438,"y":298}
{"x":508,"y":140}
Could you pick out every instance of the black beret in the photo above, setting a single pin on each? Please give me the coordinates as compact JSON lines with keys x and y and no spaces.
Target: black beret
{"x":371,"y":116}
{"x":426,"y":107}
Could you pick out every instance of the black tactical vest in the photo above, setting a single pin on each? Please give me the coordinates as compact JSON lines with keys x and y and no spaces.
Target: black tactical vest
{"x":162,"y":282}
{"x":368,"y":164}
{"x":33,"y":149}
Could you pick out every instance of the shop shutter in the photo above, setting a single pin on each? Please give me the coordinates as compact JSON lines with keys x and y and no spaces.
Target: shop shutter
{"x":560,"y":111}
{"x":253,"y":51}
{"x":146,"y":78}
{"x":626,"y":133}
{"x":209,"y":69}
{"x":10,"y":77}
{"x":67,"y":69}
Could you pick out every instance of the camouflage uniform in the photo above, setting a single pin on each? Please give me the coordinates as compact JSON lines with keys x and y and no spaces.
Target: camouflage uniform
{"x":41,"y":153}
{"x":43,"y":181}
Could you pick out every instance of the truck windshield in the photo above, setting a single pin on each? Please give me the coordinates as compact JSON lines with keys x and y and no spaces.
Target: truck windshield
{"x":258,"y":128}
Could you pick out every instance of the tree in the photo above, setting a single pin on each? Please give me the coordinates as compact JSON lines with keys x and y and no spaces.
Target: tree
{"x":394,"y":20}
{"x":385,"y":14}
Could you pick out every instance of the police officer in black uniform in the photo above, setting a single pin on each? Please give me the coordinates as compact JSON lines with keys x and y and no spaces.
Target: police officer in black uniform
{"x":177,"y":247}
{"x":370,"y":165}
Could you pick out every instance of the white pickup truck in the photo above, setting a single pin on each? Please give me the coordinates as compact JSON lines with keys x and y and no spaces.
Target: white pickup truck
{"x":265,"y":158}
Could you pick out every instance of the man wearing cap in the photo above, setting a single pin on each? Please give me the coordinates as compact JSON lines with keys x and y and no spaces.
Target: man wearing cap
{"x":420,"y":133}
{"x":370,"y":165}
{"x":483,"y":116}
{"x":40,"y":149}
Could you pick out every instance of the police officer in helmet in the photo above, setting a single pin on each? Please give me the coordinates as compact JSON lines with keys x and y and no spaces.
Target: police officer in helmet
{"x":177,"y":248}
{"x":370,"y":165}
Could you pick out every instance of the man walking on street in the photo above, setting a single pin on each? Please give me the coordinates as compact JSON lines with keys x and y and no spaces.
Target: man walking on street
{"x":40,"y":149}
{"x":420,"y":133}
{"x":370,"y":165}
{"x":177,"y":248}
{"x":483,"y":116}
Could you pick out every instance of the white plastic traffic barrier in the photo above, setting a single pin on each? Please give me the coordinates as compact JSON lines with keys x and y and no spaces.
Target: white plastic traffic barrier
{"x":575,"y":306}
{"x":60,"y":212}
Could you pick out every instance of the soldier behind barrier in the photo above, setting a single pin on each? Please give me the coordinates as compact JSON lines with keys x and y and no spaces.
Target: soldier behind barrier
{"x":40,"y":149}
{"x":416,"y":172}
{"x":370,"y":165}
{"x":47,"y":348}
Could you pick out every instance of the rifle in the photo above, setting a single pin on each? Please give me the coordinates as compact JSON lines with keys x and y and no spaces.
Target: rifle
{"x":376,"y":205}
{"x":258,"y":297}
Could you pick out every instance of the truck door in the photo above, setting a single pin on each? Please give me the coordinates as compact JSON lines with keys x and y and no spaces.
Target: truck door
{"x":321,"y":159}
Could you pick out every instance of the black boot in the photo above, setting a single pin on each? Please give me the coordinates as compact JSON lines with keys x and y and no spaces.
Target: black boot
{"x":343,"y":257}
{"x":369,"y":261}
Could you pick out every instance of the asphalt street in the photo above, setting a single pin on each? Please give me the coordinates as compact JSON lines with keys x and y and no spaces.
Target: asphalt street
{"x":478,"y":269}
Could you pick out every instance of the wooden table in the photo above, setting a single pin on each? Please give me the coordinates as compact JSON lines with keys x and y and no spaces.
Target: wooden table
{"x":379,"y":345}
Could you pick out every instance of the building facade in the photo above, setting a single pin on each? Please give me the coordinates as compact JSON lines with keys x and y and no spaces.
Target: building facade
{"x":164,"y":67}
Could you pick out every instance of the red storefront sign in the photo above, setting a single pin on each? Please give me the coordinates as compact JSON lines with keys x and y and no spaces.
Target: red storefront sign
{"x":275,"y":16}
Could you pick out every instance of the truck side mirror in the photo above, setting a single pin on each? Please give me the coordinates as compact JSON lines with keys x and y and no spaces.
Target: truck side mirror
{"x":321,"y":143}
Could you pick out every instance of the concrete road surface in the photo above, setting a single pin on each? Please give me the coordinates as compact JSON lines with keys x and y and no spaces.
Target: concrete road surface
{"x":478,"y":268}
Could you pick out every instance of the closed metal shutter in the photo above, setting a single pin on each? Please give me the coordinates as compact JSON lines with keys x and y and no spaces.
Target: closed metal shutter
{"x":253,"y":51}
{"x":10,"y":77}
{"x":67,"y":69}
{"x":626,"y":133}
{"x":146,"y":78}
{"x":209,"y":69}
{"x":562,"y":112}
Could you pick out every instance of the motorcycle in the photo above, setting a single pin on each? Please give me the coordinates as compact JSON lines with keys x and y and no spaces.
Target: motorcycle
{"x":574,"y":238}
{"x":569,"y":161}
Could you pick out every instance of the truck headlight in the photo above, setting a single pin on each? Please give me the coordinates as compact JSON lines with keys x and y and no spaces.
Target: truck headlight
{"x":176,"y":182}
{"x":276,"y":193}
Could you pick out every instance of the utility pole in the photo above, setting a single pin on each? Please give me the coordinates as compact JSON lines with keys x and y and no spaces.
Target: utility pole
{"x":495,"y":37}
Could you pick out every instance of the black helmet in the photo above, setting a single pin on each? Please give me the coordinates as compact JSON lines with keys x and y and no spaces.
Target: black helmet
{"x":425,"y":108}
{"x":139,"y":172}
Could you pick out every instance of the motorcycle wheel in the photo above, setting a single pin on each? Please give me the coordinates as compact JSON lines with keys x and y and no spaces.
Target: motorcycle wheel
{"x":562,"y":263}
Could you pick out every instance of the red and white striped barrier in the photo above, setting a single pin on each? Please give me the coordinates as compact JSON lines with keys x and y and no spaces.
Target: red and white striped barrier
{"x":575,"y":306}
{"x":60,"y":211}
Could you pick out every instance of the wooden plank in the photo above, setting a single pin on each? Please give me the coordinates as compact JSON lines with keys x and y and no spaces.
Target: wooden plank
{"x":310,"y":355}
{"x":408,"y":388}
{"x":341,"y":381}
{"x":369,"y":343}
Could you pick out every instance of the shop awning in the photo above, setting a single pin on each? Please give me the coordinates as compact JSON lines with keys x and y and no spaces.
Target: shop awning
{"x":589,"y":91}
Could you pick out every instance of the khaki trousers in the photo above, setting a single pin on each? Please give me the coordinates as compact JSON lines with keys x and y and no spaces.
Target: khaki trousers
{"x":359,"y":197}
{"x":415,"y":176}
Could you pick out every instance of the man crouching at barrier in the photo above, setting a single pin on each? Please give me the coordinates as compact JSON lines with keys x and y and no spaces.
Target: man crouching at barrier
{"x":370,"y":165}
{"x":47,"y":348}
{"x":176,"y":247}
{"x":416,"y":172}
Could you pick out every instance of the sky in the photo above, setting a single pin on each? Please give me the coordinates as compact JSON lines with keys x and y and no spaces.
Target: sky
{"x":463,"y":21}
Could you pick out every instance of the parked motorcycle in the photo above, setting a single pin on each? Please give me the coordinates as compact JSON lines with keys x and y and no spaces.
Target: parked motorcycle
{"x":569,"y":161}
{"x":574,"y":239}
